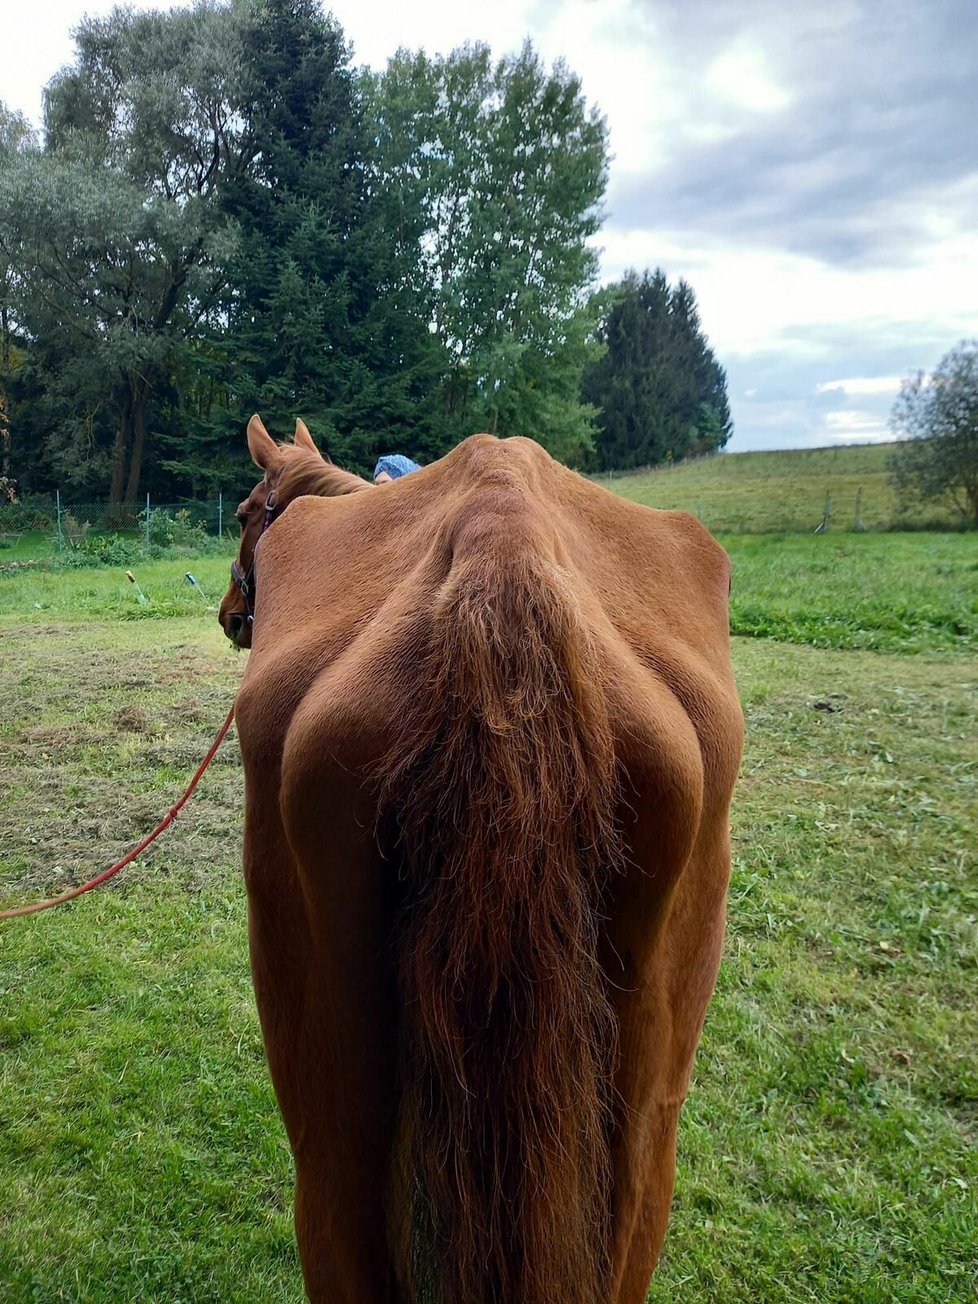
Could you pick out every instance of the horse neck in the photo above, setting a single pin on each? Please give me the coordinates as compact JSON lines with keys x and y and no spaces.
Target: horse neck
{"x":306,"y":473}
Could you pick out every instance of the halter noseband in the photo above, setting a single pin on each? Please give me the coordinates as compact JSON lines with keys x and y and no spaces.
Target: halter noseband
{"x":246,"y":583}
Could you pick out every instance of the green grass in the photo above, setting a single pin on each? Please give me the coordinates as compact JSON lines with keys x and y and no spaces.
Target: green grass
{"x":829,"y":1149}
{"x":25,"y":546}
{"x":104,"y":592}
{"x":891,"y":593}
{"x":900,"y":593}
{"x":784,"y":492}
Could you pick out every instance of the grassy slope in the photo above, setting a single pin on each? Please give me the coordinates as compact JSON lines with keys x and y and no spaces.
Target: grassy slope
{"x":828,"y":1151}
{"x":783,"y":491}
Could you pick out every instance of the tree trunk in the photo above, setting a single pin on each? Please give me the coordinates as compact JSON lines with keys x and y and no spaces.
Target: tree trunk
{"x":120,"y":451}
{"x":140,"y":401}
{"x":5,"y":340}
{"x":4,"y":373}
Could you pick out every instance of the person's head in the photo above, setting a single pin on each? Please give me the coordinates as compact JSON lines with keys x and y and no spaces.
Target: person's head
{"x":392,"y":466}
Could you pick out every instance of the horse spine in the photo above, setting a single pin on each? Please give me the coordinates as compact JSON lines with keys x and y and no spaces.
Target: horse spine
{"x":500,"y":790}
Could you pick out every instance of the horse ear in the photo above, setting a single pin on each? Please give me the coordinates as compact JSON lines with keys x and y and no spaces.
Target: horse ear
{"x":261,"y":446}
{"x":303,"y":437}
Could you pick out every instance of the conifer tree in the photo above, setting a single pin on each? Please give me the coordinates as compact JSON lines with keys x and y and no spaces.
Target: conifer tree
{"x":320,"y":320}
{"x":662,"y":394}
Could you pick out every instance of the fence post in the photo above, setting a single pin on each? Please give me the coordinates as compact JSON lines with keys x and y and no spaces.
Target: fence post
{"x":823,"y":525}
{"x":61,"y":542}
{"x":220,"y":513}
{"x":147,"y":520}
{"x":857,"y":524}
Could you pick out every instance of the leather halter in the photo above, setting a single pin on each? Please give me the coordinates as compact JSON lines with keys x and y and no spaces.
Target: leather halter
{"x":246,"y":582}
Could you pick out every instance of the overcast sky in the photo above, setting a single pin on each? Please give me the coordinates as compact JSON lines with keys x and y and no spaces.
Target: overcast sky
{"x":811,"y":169}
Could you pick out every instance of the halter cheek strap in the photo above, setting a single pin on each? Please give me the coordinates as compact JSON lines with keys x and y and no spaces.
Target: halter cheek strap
{"x":246,"y":583}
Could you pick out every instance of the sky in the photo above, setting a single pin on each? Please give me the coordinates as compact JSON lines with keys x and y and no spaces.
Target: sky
{"x":810,"y":169}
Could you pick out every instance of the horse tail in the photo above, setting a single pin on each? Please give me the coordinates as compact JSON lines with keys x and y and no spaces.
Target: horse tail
{"x":500,"y":794}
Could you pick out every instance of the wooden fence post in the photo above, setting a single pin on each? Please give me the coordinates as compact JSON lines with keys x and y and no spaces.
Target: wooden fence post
{"x":823,"y":525}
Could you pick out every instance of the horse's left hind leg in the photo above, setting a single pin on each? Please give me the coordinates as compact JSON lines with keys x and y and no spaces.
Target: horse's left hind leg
{"x":319,"y":935}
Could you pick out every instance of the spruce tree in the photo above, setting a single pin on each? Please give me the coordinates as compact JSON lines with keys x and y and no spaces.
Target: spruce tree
{"x":319,"y":322}
{"x":660,"y":390}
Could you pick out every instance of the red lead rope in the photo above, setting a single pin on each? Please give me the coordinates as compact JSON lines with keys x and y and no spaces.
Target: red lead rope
{"x":168,"y":819}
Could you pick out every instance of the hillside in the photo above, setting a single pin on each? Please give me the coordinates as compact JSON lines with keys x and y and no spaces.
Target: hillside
{"x":757,"y":493}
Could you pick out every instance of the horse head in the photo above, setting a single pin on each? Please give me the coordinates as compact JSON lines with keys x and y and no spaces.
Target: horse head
{"x":289,"y":471}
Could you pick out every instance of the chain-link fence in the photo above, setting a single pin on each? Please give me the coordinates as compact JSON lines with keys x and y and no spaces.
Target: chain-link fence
{"x":52,"y":526}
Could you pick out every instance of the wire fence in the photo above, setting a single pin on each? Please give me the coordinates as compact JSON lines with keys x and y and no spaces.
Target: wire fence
{"x":62,"y":527}
{"x":52,"y":527}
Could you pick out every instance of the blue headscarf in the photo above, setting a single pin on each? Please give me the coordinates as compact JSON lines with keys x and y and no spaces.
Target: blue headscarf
{"x":396,"y":465}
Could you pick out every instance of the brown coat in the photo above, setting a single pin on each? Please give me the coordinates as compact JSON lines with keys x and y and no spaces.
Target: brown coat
{"x":490,"y":736}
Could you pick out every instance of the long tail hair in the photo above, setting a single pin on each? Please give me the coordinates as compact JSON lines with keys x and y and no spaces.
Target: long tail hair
{"x":500,"y":791}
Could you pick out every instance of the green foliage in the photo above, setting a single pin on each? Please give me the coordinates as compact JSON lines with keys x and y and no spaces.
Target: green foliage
{"x":27,"y":514}
{"x":226,"y":217}
{"x":317,"y":321}
{"x":16,"y":135}
{"x":95,"y":550}
{"x":494,"y":173}
{"x":938,"y":419}
{"x":167,"y":530}
{"x":118,"y":244}
{"x":661,"y":393}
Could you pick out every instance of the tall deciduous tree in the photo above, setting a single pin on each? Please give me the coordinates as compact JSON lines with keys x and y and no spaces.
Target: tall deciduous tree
{"x":937,"y":418}
{"x":119,"y":247}
{"x":16,"y":135}
{"x":662,"y":394}
{"x":495,"y":171}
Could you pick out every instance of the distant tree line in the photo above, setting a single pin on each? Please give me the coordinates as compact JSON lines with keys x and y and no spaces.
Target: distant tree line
{"x":224,"y":216}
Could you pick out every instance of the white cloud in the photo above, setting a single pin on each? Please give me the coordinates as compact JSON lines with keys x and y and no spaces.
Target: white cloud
{"x":740,"y":77}
{"x":858,"y":385}
{"x":852,"y":425}
{"x":753,"y":299}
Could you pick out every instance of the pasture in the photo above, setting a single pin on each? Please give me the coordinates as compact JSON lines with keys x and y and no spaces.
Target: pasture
{"x":785,"y":490}
{"x":829,"y":1148}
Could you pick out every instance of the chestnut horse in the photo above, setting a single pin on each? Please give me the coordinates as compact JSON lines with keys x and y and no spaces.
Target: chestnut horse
{"x":490,"y":736}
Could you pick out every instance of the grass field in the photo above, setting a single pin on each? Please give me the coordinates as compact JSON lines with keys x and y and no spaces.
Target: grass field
{"x":829,"y":1149}
{"x":784,"y":492}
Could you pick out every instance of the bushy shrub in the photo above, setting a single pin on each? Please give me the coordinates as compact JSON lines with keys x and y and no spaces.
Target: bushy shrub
{"x":26,"y":514}
{"x":103,"y":550}
{"x":167,"y":531}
